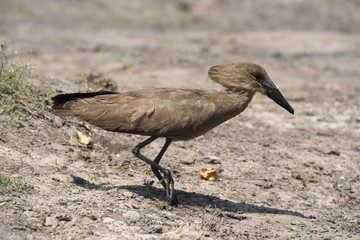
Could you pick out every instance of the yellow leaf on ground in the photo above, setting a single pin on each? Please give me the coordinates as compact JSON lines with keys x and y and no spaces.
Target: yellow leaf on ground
{"x":84,"y":138}
{"x":210,"y":174}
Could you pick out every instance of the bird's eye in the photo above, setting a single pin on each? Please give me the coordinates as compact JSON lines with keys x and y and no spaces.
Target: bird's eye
{"x":257,"y":76}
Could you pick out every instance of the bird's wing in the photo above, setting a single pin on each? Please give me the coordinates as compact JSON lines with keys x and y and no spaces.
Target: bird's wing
{"x":160,"y":112}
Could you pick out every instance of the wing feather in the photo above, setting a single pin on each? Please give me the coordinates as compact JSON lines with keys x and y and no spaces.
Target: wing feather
{"x":177,"y":113}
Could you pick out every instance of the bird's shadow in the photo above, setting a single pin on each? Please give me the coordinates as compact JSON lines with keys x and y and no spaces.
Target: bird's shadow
{"x":190,"y":199}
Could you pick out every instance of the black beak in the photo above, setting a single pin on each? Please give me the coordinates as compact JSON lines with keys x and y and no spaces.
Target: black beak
{"x":274,"y":93}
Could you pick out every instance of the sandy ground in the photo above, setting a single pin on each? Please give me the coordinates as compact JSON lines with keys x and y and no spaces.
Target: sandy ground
{"x":283,"y":176}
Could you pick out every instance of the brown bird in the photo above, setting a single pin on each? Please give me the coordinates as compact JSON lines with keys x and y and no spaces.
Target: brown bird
{"x":171,"y":113}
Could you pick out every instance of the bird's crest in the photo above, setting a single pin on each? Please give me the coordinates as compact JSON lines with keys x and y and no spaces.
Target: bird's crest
{"x":238,"y":76}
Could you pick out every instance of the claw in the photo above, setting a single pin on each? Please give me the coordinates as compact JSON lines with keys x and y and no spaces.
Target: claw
{"x":170,"y":190}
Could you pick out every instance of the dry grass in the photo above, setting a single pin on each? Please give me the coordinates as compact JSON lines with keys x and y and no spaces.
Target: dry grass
{"x":18,"y":97}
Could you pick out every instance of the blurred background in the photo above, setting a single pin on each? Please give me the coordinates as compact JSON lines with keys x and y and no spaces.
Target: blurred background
{"x":163,"y":42}
{"x":276,"y":167}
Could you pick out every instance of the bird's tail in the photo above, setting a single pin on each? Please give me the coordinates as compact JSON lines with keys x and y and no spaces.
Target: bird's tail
{"x":62,"y":103}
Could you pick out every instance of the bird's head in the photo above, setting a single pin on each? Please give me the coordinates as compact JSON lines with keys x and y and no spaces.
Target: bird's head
{"x":248,"y":77}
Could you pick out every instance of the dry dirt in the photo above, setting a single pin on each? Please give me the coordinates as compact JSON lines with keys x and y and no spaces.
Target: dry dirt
{"x":283,"y":176}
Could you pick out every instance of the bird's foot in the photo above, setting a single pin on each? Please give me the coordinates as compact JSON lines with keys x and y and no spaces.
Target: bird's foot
{"x":168,"y":181}
{"x":148,"y":182}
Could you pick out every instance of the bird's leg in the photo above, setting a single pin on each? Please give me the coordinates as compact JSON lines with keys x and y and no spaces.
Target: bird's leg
{"x":168,"y":181}
{"x":157,"y":160}
{"x":169,"y":185}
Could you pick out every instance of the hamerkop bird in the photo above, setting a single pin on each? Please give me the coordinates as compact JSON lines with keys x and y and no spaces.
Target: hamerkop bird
{"x":171,"y":113}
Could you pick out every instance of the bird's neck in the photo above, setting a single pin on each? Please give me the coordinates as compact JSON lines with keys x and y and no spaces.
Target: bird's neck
{"x":242,"y":98}
{"x":242,"y":92}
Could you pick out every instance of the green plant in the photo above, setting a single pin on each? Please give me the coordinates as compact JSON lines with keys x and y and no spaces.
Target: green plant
{"x":18,"y":97}
{"x":9,"y":184}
